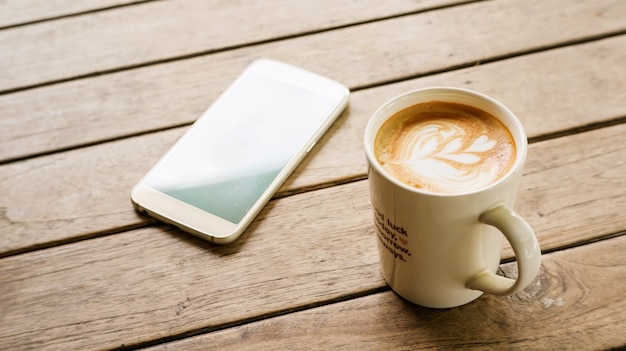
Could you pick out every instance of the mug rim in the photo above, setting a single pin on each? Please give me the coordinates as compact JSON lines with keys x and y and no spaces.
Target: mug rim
{"x":511,"y":122}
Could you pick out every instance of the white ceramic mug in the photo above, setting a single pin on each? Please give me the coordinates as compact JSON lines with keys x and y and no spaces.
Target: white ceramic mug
{"x":442,"y":250}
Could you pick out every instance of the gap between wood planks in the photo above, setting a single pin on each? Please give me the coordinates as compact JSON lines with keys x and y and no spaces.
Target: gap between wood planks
{"x":573,"y":245}
{"x":531,"y":140}
{"x":76,"y":14}
{"x":574,"y":42}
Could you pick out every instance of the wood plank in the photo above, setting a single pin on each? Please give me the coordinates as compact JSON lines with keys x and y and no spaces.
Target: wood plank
{"x":126,"y":103}
{"x":103,"y":175}
{"x":303,"y":249}
{"x":16,"y":12}
{"x":161,"y":30}
{"x":574,"y":304}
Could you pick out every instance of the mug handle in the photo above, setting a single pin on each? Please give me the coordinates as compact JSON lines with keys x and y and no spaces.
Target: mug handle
{"x":524,"y":243}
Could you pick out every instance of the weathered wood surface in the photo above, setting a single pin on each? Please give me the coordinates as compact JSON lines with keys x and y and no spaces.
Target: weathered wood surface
{"x":45,"y":198}
{"x":79,"y":269}
{"x":572,"y":305}
{"x":21,"y":12}
{"x":302,"y":250}
{"x":110,"y":106}
{"x":114,"y":39}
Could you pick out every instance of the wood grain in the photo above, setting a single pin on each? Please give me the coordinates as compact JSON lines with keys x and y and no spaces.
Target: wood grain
{"x":92,"y":94}
{"x":160,"y":30}
{"x":302,"y":250}
{"x":16,"y":12}
{"x":576,"y":303}
{"x":111,"y":106}
{"x":45,"y":197}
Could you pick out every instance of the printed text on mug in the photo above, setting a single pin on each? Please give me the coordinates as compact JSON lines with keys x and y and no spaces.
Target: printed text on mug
{"x":393,"y":237}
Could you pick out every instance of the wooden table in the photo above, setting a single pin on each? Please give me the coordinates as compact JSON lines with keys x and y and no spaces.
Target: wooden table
{"x":92,"y":93}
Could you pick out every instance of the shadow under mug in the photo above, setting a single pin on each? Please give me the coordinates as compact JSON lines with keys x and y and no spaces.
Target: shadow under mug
{"x":442,"y":250}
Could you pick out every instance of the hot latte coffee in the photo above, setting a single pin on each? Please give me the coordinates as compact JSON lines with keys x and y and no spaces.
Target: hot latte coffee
{"x":445,"y":147}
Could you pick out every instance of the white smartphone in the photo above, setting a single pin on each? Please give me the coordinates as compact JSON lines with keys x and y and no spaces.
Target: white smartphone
{"x":224,"y":169}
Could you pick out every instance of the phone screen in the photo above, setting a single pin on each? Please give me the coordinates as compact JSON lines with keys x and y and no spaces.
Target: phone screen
{"x":245,"y":139}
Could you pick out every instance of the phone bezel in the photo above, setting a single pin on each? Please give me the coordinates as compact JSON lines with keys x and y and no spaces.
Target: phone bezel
{"x":209,"y":226}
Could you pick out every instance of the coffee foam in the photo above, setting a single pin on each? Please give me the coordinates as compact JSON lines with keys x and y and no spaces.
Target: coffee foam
{"x":445,"y":147}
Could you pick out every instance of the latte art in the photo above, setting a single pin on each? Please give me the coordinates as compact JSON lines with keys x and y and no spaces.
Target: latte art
{"x":445,"y":147}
